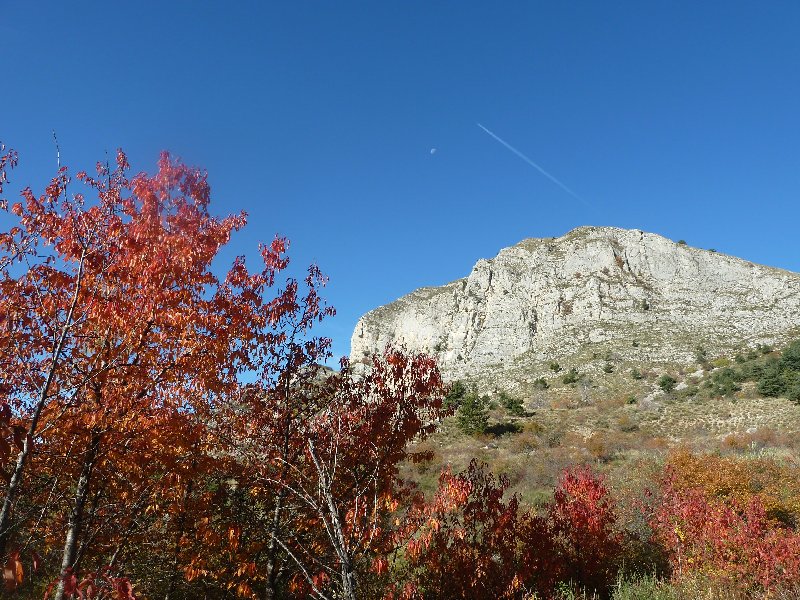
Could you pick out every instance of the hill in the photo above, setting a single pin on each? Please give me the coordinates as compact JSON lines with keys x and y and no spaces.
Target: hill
{"x":593,"y":297}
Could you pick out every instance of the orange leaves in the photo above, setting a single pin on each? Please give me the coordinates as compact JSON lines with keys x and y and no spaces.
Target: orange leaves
{"x":234,"y":532}
{"x":741,"y":480}
{"x":725,"y":530}
{"x":471,"y":542}
{"x":9,"y":159}
{"x":465,"y":542}
{"x":120,"y":331}
{"x":98,"y":585}
{"x":13,"y":572}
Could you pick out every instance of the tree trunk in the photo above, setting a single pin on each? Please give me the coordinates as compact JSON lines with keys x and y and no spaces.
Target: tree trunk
{"x":346,"y":567}
{"x":16,"y":479}
{"x":272,"y":550}
{"x":176,"y":555}
{"x":22,"y":457}
{"x":76,"y":515}
{"x":336,"y":532}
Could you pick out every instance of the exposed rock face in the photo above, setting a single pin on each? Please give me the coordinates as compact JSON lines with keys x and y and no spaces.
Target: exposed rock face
{"x":595,"y":293}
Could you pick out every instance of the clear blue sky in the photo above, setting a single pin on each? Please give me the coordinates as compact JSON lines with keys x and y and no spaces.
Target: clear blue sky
{"x":318,"y":119}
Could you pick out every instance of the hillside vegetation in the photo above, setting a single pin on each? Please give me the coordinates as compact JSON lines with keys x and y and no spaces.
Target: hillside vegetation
{"x":710,"y":449}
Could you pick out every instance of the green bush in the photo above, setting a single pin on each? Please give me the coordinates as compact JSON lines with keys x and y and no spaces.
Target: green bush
{"x":790,"y":359}
{"x":455,"y":394}
{"x":636,"y":374}
{"x":555,"y":367}
{"x":512,"y":405}
{"x":667,"y":383}
{"x":793,"y":393}
{"x":771,"y":382}
{"x":541,"y":384}
{"x":701,"y":355}
{"x":473,"y":414}
{"x":726,"y":381}
{"x":571,"y":376}
{"x":608,"y":368}
{"x":777,"y":376}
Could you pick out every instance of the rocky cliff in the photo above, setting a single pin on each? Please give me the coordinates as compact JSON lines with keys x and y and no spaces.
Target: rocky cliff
{"x":594,"y":295}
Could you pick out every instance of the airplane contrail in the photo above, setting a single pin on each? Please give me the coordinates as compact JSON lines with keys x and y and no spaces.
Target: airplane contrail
{"x":533,"y":164}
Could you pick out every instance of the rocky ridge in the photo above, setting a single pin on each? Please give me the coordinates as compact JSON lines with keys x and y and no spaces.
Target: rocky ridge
{"x":594,"y":296}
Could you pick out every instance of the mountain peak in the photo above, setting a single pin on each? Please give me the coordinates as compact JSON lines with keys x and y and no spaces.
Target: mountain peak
{"x":595,"y":291}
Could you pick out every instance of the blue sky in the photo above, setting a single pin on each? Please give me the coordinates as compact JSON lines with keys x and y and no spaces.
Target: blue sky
{"x":318,"y":119}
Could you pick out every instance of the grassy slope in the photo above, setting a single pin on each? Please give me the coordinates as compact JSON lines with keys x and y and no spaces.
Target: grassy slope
{"x":621,"y":425}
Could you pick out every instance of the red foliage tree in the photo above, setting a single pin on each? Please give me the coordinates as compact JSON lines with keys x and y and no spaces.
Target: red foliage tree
{"x":469,"y":542}
{"x":719,"y":539}
{"x":331,"y":462}
{"x":117,"y":342}
{"x":583,"y":517}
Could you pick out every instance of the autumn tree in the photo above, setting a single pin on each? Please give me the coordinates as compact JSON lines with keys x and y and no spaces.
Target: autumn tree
{"x":582,"y":521}
{"x":327,"y":472}
{"x":470,"y":541}
{"x":725,"y":540}
{"x":117,"y":340}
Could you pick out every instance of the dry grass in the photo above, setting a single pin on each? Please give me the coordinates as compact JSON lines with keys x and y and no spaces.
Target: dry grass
{"x":614,"y":422}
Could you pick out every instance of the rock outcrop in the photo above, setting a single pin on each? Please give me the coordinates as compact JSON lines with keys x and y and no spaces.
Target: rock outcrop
{"x":596,"y":293}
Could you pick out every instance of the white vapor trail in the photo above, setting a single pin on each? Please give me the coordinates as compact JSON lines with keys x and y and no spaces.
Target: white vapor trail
{"x":534,"y":165}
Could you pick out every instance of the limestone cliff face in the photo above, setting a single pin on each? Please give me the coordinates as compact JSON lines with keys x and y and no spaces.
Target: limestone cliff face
{"x":596,"y":291}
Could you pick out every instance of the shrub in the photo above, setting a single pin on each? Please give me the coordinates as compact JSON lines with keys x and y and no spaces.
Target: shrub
{"x":701,"y":355}
{"x":470,"y":542}
{"x":608,"y":368}
{"x":555,"y":367}
{"x":790,"y":359}
{"x":455,"y":394}
{"x":541,"y":384}
{"x":771,"y":382}
{"x":473,"y":415}
{"x":793,"y":393}
{"x":571,"y":376}
{"x":738,"y":481}
{"x":726,"y":382}
{"x":667,"y":383}
{"x":583,"y":518}
{"x":636,"y":374}
{"x":734,"y":543}
{"x":512,"y":404}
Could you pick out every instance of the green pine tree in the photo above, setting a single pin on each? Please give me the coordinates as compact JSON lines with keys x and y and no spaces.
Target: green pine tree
{"x":473,"y":414}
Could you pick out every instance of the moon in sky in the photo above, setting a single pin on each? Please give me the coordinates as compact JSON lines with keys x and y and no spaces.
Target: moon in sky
{"x":433,"y":150}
